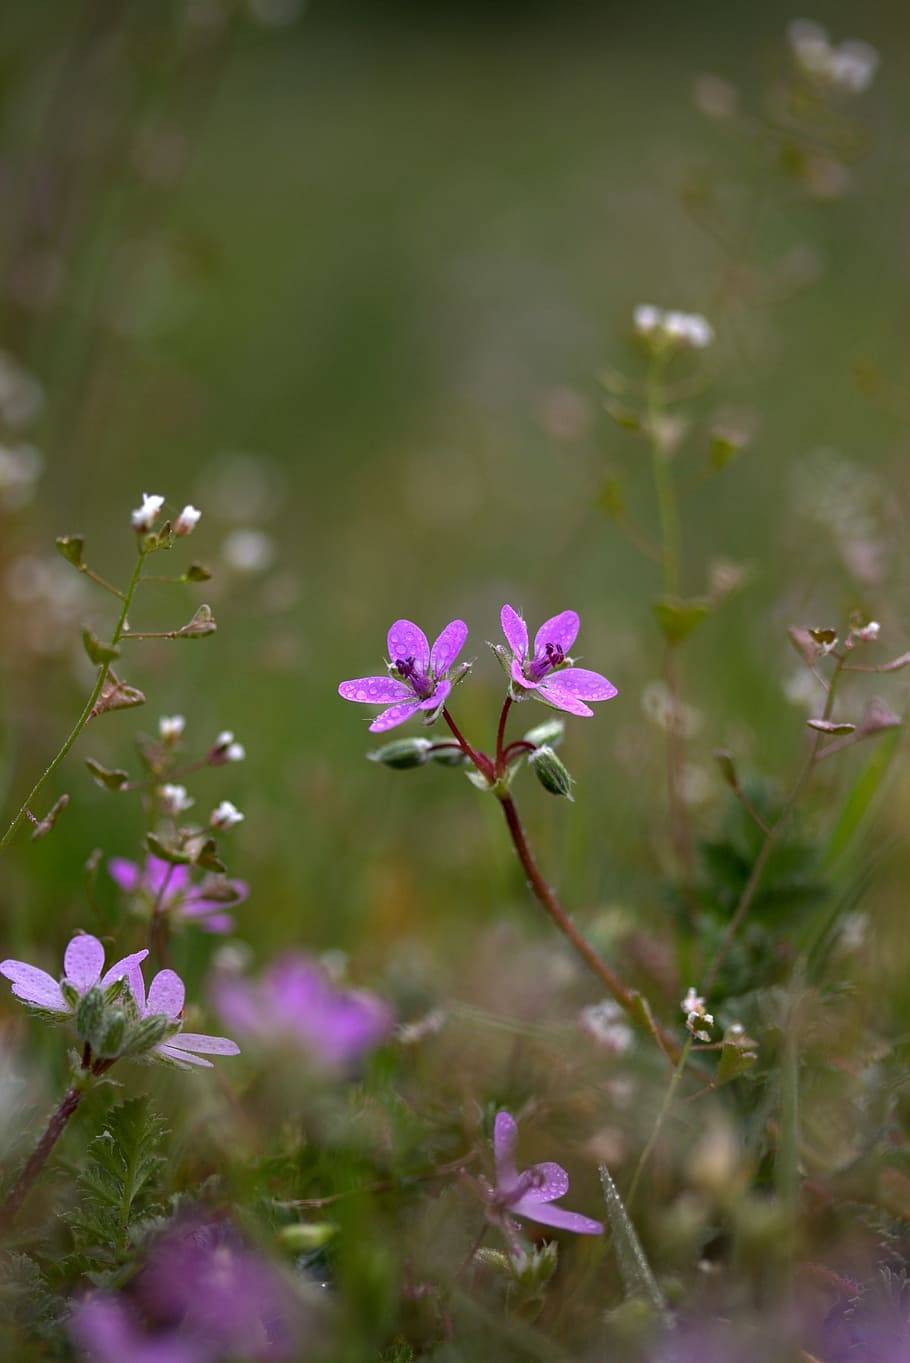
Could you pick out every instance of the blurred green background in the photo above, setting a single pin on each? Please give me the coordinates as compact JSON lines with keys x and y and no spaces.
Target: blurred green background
{"x":352,"y":283}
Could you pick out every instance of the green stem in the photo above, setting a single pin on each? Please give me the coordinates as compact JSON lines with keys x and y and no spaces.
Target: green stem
{"x":661,"y":1119}
{"x":86,"y":714}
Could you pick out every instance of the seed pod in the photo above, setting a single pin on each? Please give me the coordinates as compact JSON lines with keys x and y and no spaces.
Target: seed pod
{"x":551,"y":772}
{"x":403,"y":753}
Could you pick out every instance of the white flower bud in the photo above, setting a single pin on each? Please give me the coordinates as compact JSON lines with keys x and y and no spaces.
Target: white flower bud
{"x":145,"y":516}
{"x":187,"y":521}
{"x":225,"y":816}
{"x":174,"y":799}
{"x":170,"y":727}
{"x":225,"y":749}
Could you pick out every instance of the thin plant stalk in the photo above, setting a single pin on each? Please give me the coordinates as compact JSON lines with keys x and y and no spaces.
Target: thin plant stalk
{"x":661,"y":1120}
{"x":85,"y":716}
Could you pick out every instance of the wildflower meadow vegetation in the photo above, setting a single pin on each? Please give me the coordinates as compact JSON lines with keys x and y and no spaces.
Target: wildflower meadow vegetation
{"x":386,"y":975}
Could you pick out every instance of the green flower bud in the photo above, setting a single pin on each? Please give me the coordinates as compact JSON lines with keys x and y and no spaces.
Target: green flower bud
{"x":148,"y":1033}
{"x":447,"y":757}
{"x":403,"y":753}
{"x":90,"y":1014}
{"x":551,"y":772}
{"x":109,"y":1036}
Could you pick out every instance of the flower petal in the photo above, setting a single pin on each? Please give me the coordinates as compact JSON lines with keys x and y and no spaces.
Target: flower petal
{"x":519,"y":677}
{"x":35,"y":986}
{"x":159,"y":874}
{"x":578,"y":681}
{"x":375,"y":690}
{"x":553,"y":1182}
{"x":562,"y":700}
{"x":447,"y":647}
{"x":217,"y":922}
{"x":561,"y":630}
{"x":548,"y":1215}
{"x":166,"y":994}
{"x":396,"y":714}
{"x":199,"y":1041}
{"x":82,"y":961}
{"x":407,"y":640}
{"x":182,"y":1057}
{"x":125,"y":874}
{"x":516,"y":632}
{"x":129,"y":966}
{"x":438,"y":697}
{"x":505,"y":1139}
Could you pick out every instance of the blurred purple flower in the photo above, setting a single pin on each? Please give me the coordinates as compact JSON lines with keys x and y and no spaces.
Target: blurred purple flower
{"x":529,"y":1194}
{"x":165,"y":998}
{"x":295,"y":1001}
{"x":204,"y":903}
{"x":545,"y":671}
{"x":422,"y":681}
{"x":203,"y":1295}
{"x":83,"y":961}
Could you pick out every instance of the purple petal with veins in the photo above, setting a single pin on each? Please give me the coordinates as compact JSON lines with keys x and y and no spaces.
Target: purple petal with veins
{"x":172,"y":1052}
{"x":563,"y":700}
{"x":35,"y":986}
{"x":448,"y":646}
{"x":548,"y":1215}
{"x":199,"y":1041}
{"x":407,"y":640}
{"x":515,"y":630}
{"x":505,"y":1139}
{"x":519,"y":677}
{"x":375,"y":690}
{"x":550,"y":1181}
{"x":438,"y":697}
{"x":166,"y":994}
{"x":82,"y":961}
{"x":561,"y":630}
{"x":397,"y":714}
{"x":578,"y":681}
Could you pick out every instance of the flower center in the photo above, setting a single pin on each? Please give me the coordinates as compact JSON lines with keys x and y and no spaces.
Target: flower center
{"x":549,"y":660}
{"x":420,"y":682}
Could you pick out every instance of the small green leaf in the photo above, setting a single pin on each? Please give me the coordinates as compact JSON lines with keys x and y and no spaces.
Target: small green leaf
{"x":172,"y":855}
{"x":677,"y":617}
{"x":737,"y":1055}
{"x":110,"y":780}
{"x":98,"y":652}
{"x":72,"y":548}
{"x":638,"y":1280}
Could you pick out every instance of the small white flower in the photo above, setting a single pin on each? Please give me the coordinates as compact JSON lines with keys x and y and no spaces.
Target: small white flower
{"x":868,"y":634}
{"x":187,"y":521}
{"x":647,"y":318}
{"x":605,"y":1023}
{"x":170,"y":727}
{"x":225,"y":816}
{"x":698,"y":1020}
{"x":672,"y":329}
{"x":145,"y":516}
{"x":174,"y":799}
{"x":851,"y":67}
{"x":225,"y":749}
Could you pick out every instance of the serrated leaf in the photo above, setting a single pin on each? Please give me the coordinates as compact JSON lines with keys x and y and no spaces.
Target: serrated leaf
{"x":110,"y":780}
{"x":197,"y":572}
{"x":98,"y":652}
{"x":677,"y":617}
{"x":638,"y":1280}
{"x":202,"y":623}
{"x":72,"y":547}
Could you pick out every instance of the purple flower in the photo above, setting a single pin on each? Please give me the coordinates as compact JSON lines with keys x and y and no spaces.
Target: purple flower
{"x":548,"y":671}
{"x":529,"y":1194}
{"x":83,"y":961}
{"x":295,"y":1002}
{"x":109,"y":1332}
{"x":418,"y":677}
{"x":203,"y":903}
{"x":165,"y":998}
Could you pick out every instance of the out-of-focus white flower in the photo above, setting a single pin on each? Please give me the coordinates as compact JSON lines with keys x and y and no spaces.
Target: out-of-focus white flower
{"x":174,"y":799}
{"x":187,"y":521}
{"x":868,"y":634}
{"x":698,"y":1019}
{"x":668,"y":712}
{"x":605,"y":1023}
{"x":248,"y":551}
{"x":849,"y":67}
{"x":672,"y":330}
{"x":145,"y":516}
{"x":21,"y":395}
{"x":225,"y":816}
{"x":226,"y":749}
{"x":170,"y":727}
{"x":20,"y":467}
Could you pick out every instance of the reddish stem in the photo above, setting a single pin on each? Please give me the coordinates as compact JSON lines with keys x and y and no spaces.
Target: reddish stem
{"x":39,"y":1155}
{"x":501,"y":734}
{"x":480,"y":759}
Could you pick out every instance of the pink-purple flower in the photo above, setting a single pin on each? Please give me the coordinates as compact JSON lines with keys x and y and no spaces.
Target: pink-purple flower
{"x":418,"y":676}
{"x":547,"y":671}
{"x":203,"y":904}
{"x":530,"y":1193}
{"x":83,"y":962}
{"x":295,"y":1003}
{"x":166,"y":997}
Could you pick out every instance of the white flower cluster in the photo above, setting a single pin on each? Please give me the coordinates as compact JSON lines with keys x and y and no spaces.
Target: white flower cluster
{"x":849,"y":67}
{"x":145,"y":516}
{"x":672,"y":329}
{"x":698,"y":1019}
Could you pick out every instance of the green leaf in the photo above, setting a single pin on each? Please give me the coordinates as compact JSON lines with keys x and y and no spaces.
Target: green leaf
{"x":737,"y":1055}
{"x":637,"y":1278}
{"x":677,"y":617}
{"x":98,"y":652}
{"x":173,"y":855}
{"x":72,"y":548}
{"x":110,"y":780}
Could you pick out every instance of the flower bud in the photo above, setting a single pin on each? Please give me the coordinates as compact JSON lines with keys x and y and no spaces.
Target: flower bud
{"x":226,"y":749}
{"x":403,"y":753}
{"x":90,"y":1014}
{"x":225,"y":816}
{"x":145,"y":516}
{"x":550,"y":731}
{"x":170,"y":727}
{"x":187,"y":521}
{"x":551,"y":772}
{"x":174,"y":799}
{"x":109,"y":1035}
{"x":148,"y":1033}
